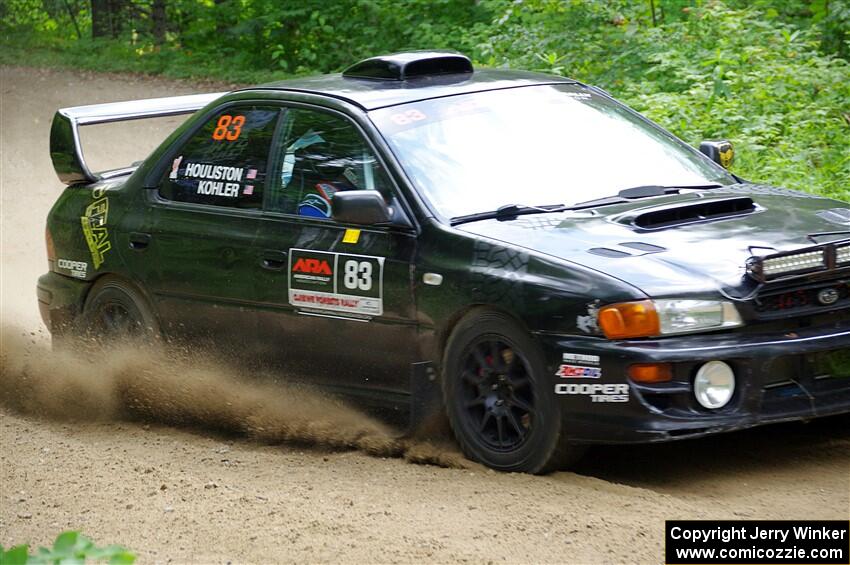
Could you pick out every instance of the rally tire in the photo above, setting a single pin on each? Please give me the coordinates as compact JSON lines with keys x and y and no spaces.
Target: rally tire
{"x":497,"y":397}
{"x":116,"y":310}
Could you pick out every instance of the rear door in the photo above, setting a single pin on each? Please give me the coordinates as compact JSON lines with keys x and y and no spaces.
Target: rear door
{"x":336,"y":300}
{"x":205,"y":215}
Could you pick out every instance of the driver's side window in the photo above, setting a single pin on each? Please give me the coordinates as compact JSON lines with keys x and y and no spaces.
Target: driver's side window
{"x":320,"y":153}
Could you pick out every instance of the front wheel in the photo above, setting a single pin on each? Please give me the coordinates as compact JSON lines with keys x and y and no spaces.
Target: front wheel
{"x":497,"y":398}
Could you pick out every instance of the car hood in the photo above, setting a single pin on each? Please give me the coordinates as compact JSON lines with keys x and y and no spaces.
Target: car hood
{"x":683,"y":244}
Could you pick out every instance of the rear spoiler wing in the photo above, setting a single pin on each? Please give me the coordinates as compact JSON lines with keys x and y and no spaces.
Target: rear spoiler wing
{"x":66,"y":152}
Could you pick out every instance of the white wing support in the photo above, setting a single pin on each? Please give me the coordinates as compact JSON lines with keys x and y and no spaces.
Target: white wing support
{"x":66,"y":151}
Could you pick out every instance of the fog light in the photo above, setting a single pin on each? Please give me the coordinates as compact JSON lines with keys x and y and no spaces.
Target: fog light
{"x":714,"y":384}
{"x":842,"y":255}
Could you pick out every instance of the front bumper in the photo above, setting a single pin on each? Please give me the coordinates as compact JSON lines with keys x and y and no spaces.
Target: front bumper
{"x":779,"y":377}
{"x":60,"y":300}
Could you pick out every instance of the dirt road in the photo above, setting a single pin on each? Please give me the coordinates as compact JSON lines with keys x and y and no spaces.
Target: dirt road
{"x":199,"y":495}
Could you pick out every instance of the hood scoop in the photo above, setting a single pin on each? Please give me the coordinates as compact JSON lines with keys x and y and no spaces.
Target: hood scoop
{"x":627,"y":249}
{"x":660,"y":217}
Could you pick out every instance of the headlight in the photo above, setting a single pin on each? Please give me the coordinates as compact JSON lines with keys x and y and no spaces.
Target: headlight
{"x":714,"y":385}
{"x":685,"y":316}
{"x":649,"y":318}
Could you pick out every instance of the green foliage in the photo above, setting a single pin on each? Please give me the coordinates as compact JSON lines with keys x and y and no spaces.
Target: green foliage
{"x":70,"y":548}
{"x":712,"y":72}
{"x":771,"y":76}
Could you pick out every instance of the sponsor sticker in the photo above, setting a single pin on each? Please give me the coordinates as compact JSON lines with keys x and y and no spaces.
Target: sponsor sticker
{"x":94,"y":227}
{"x":575,"y":366}
{"x":349,"y":174}
{"x":578,"y":372}
{"x":76,"y":269}
{"x":351,"y":236}
{"x":338,"y":282}
{"x":581,"y":358}
{"x":597,"y":392}
{"x":175,"y":166}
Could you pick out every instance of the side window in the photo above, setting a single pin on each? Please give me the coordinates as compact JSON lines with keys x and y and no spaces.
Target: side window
{"x":224,"y":163}
{"x":319,"y":154}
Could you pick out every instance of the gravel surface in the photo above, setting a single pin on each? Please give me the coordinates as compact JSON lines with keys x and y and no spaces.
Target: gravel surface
{"x":177,"y":490}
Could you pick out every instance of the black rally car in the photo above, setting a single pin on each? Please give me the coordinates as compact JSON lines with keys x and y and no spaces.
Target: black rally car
{"x":547,"y":265}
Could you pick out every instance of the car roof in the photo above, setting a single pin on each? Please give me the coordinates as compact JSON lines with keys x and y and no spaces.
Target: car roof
{"x":371,"y":94}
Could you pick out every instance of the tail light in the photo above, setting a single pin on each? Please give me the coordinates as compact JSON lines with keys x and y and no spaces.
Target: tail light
{"x":51,"y":250}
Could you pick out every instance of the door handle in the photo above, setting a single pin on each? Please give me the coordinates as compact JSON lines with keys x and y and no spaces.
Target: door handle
{"x":139,"y":241}
{"x":273,"y":260}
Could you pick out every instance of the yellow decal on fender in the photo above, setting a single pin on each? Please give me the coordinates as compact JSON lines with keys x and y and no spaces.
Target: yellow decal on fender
{"x":351,"y":236}
{"x":94,"y":229}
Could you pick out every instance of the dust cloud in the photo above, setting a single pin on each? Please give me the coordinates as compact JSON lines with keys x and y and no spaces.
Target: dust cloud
{"x":154,"y":383}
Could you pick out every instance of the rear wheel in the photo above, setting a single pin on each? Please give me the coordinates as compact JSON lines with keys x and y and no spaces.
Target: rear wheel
{"x":497,"y":398}
{"x":115,"y":310}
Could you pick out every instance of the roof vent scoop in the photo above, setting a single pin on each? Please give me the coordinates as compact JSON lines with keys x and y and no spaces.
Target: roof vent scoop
{"x":408,"y":65}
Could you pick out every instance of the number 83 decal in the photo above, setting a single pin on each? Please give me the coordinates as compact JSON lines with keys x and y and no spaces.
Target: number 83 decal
{"x":228,"y":128}
{"x":358,"y":275}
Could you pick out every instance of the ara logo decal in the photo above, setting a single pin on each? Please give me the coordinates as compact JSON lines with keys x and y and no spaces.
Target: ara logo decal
{"x":312,"y":266}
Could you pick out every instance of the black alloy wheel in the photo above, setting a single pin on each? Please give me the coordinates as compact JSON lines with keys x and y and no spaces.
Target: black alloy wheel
{"x":499,"y":398}
{"x":115,"y":310}
{"x":497,"y":393}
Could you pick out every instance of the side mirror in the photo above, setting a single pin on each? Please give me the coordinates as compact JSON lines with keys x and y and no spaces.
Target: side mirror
{"x":365,"y":207}
{"x":720,"y":152}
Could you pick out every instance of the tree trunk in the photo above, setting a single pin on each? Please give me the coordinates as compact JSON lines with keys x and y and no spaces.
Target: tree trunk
{"x":116,"y":17}
{"x":158,"y":16}
{"x":73,"y":17}
{"x":220,"y":24}
{"x":100,"y":25}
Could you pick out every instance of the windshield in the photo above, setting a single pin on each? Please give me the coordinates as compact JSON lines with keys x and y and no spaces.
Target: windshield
{"x":538,"y":145}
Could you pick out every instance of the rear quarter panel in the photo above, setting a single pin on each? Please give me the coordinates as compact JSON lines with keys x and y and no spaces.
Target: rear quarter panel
{"x":82,"y":225}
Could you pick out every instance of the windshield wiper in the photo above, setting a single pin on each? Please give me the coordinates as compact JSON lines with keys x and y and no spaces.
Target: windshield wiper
{"x":511,"y":211}
{"x":508,"y":211}
{"x":643,"y":192}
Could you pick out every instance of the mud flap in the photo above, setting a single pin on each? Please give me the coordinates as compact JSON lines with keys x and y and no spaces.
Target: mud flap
{"x":425,"y":398}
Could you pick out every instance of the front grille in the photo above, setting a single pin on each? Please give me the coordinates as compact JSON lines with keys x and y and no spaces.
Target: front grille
{"x":799,"y":299}
{"x":800,"y":383}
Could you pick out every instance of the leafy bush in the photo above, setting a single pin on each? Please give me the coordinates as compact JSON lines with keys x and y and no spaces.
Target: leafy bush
{"x":715,"y":72}
{"x":70,"y":548}
{"x":771,"y":76}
